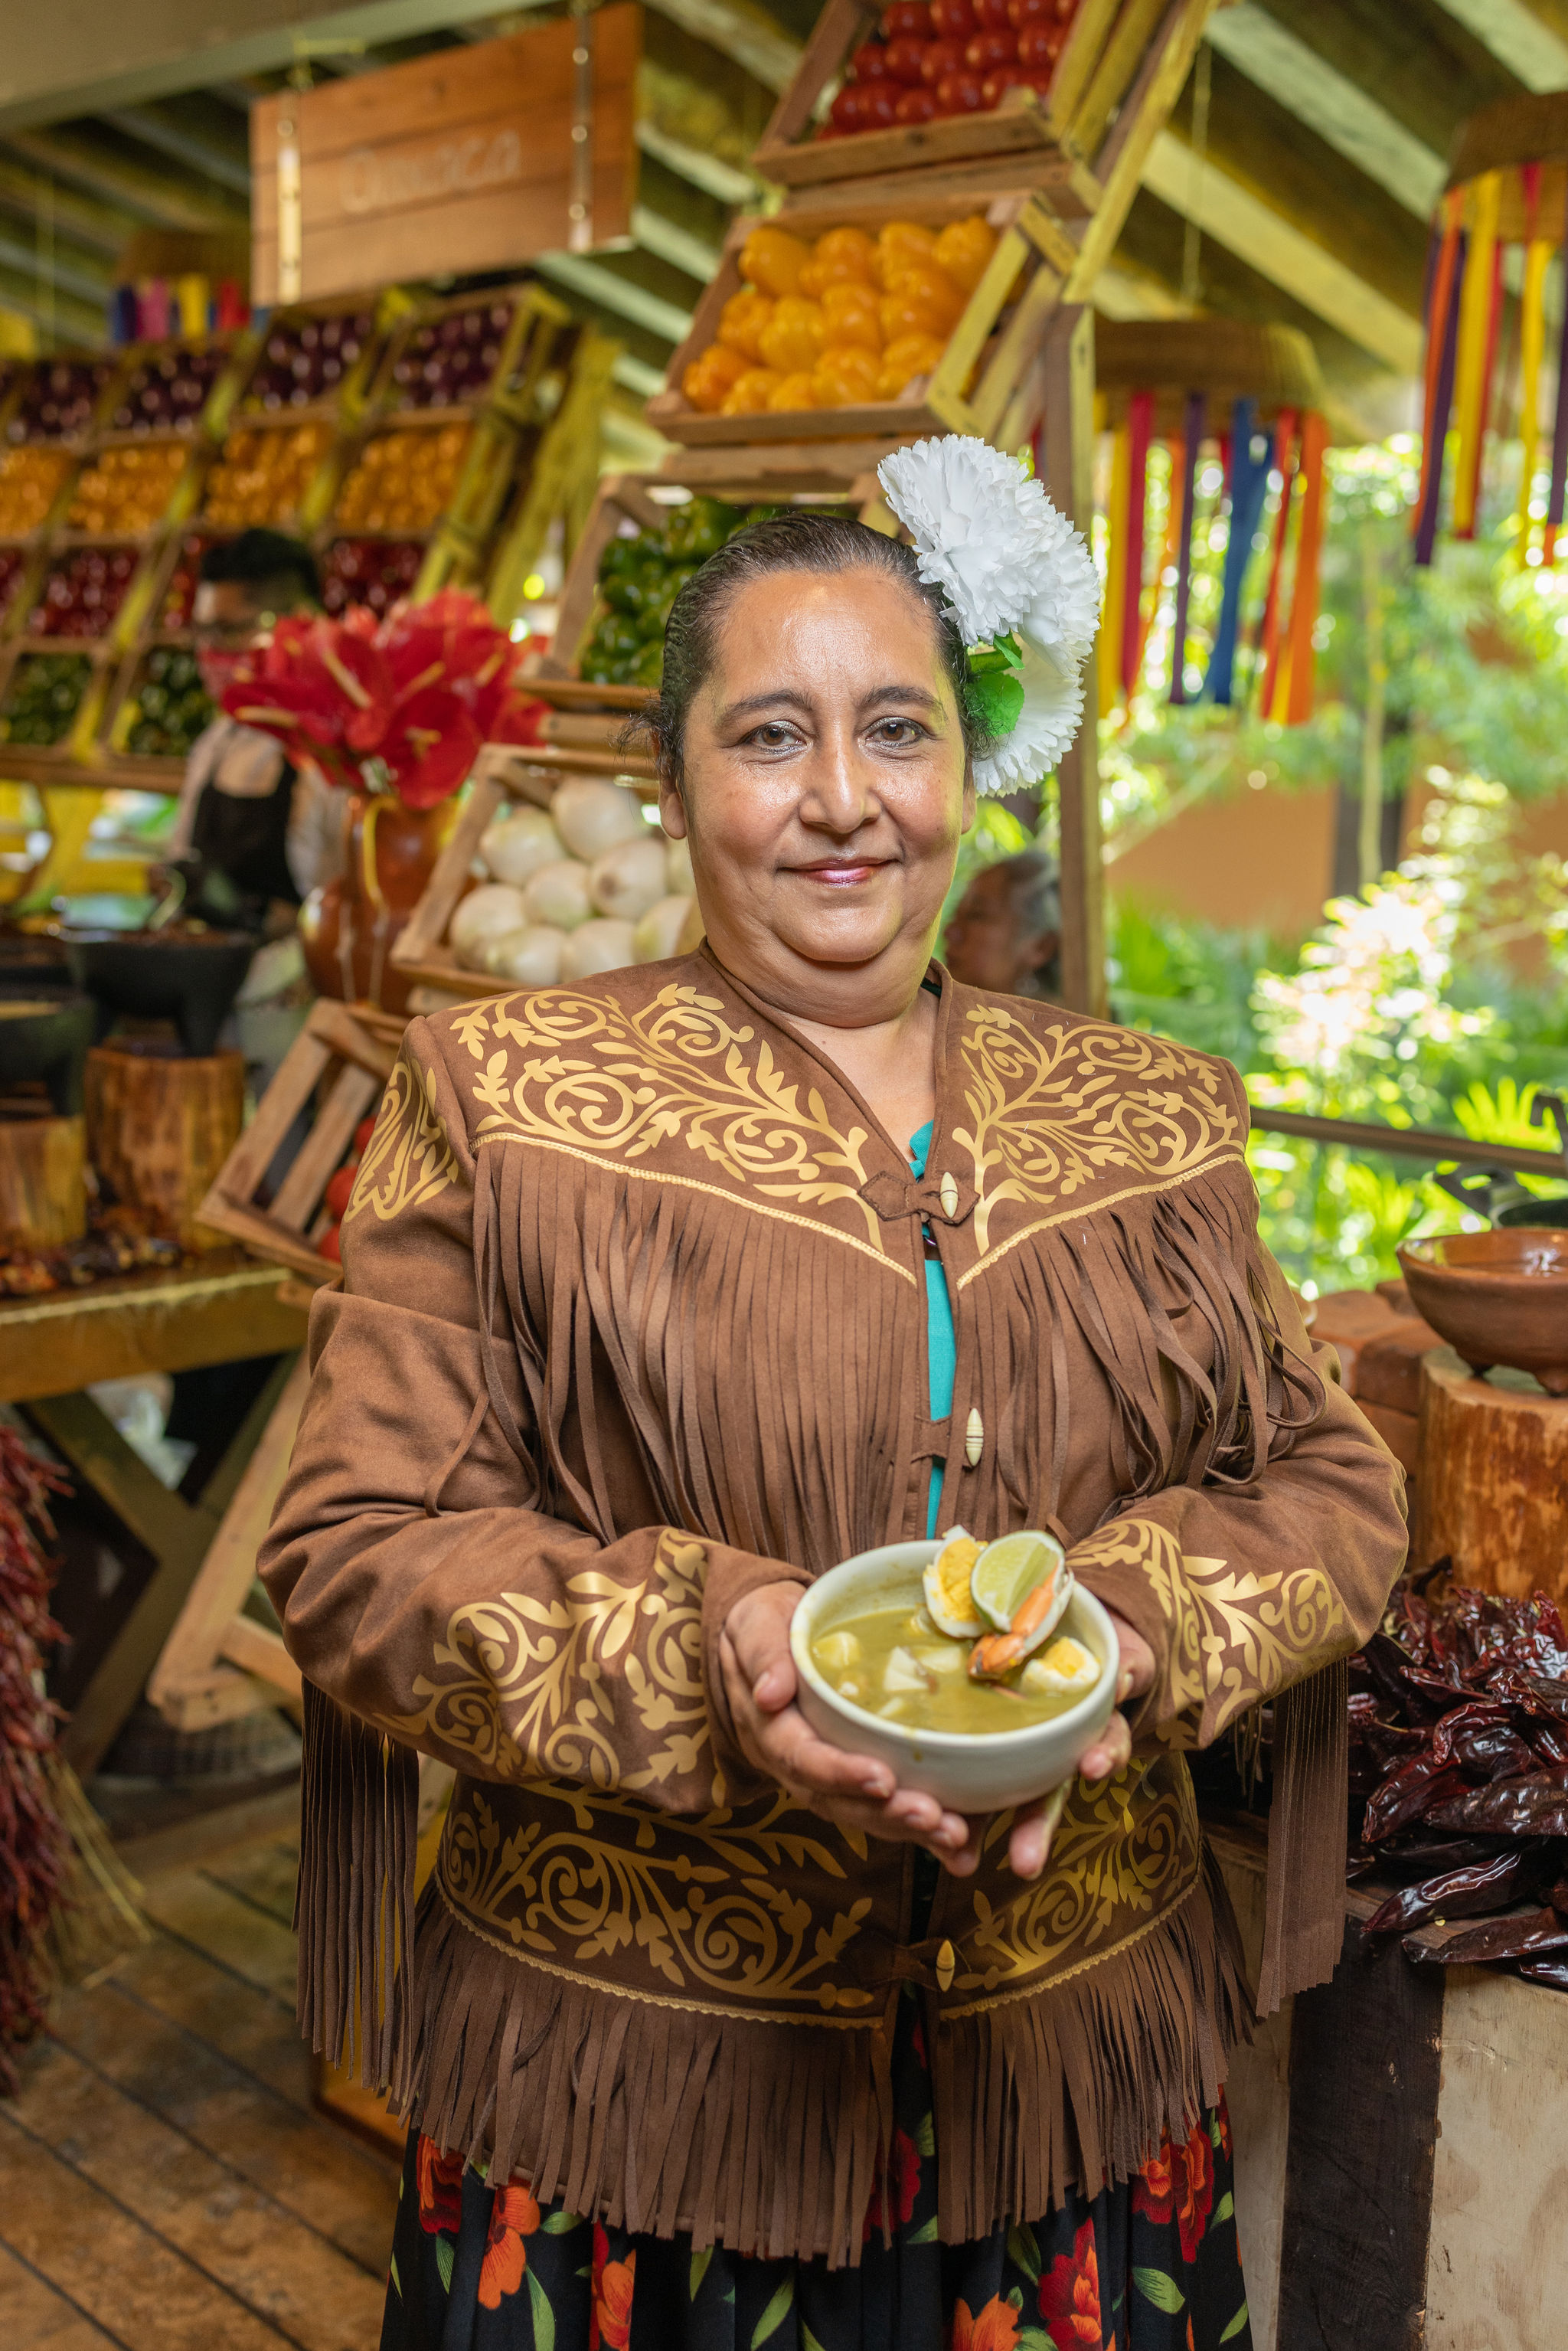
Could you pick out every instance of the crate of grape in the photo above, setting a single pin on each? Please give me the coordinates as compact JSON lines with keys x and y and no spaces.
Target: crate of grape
{"x":546,"y":880}
{"x":288,"y":1209}
{"x":169,"y":387}
{"x":82,"y":593}
{"x":62,"y":398}
{"x":995,"y":93}
{"x":454,"y":354}
{"x":871,"y":323}
{"x":316,"y":359}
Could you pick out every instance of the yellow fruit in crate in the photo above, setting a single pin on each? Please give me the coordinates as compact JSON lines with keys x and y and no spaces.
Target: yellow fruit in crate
{"x":964,"y":251}
{"x":792,"y":391}
{"x":741,"y":322}
{"x":851,"y":311}
{"x":846,"y":375}
{"x":899,"y":244}
{"x":793,"y":337}
{"x":932,"y":289}
{"x":773,"y":260}
{"x":751,"y":391}
{"x":902,"y":361}
{"x":707,"y":379}
{"x":841,"y":256}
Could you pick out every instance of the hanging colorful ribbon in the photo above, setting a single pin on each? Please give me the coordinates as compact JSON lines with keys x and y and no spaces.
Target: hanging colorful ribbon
{"x":1249,"y":484}
{"x":1299,"y":652}
{"x":1532,"y":342}
{"x":1140,"y":423}
{"x":1268,"y":660}
{"x":1192,"y":436}
{"x":1173,"y":450}
{"x":1108,"y":648}
{"x":1440,"y":313}
{"x":1477,"y":342}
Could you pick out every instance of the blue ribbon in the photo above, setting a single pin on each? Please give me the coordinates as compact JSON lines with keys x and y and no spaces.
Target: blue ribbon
{"x":1249,"y":484}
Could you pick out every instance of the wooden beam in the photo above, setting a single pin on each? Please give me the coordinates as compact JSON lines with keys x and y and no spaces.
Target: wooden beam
{"x":708,"y":172}
{"x":1350,"y":119}
{"x":770,"y":56}
{"x":612,"y":292}
{"x":1517,"y":39}
{"x":1244,"y":224}
{"x":1068,"y":376}
{"x":669,"y":242}
{"x":1422,"y":66}
{"x":156,"y":196}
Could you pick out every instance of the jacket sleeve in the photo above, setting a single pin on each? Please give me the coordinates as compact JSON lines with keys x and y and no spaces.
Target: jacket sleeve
{"x":418,"y":1580}
{"x":1242,"y":1590}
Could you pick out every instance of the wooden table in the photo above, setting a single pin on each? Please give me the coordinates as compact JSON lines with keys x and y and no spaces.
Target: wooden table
{"x":54,"y":1347}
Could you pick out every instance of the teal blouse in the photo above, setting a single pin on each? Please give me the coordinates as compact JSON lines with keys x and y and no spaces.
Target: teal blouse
{"x":941,"y":1346}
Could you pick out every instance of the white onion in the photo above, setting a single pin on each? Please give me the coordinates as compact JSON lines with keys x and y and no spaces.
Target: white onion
{"x":657,"y":935}
{"x":483,"y":914}
{"x":517,"y":843}
{"x":596,"y":946}
{"x":558,"y":895}
{"x":531,"y":956}
{"x":678,"y":879}
{"x":592,"y":815}
{"x":627,"y":880}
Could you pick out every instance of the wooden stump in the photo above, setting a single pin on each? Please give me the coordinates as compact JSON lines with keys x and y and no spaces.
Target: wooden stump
{"x":159,"y":1128}
{"x":1491,"y":1487}
{"x":43,"y":1182}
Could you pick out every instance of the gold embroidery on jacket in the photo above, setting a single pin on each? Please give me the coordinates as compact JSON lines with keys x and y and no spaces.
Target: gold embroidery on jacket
{"x":606,"y":1081}
{"x":519,"y":1685}
{"x":1239,"y":1635}
{"x":408,"y":1159}
{"x":1049,"y":1114}
{"x":702,"y":1904}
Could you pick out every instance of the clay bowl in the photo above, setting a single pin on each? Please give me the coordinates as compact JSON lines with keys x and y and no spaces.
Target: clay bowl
{"x":190,"y":977}
{"x":1497,"y":1297}
{"x":45,"y":1036}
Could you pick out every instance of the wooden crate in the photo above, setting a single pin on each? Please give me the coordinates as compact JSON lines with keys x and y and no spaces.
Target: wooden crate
{"x":502,"y":773}
{"x":340,"y":1061}
{"x":987,"y":357}
{"x":1026,"y":141}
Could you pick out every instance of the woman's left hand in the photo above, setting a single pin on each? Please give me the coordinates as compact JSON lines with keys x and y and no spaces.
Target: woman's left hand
{"x":1034,"y":1826}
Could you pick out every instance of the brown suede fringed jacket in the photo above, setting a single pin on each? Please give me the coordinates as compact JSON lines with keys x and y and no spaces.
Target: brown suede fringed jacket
{"x":634,"y":1321}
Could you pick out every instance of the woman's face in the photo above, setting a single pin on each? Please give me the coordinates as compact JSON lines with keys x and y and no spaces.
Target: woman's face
{"x":825,"y":793}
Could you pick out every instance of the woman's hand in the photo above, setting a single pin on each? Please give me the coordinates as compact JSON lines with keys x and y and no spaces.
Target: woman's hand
{"x":1034,"y":1827}
{"x":857,"y":1791}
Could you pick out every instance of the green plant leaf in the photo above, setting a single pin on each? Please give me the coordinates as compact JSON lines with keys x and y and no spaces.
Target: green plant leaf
{"x":1226,"y":2207}
{"x":925,"y":2135}
{"x":397,"y":2281}
{"x":777,"y":2310}
{"x":998,"y":702}
{"x":1032,"y":2339}
{"x":1162,"y":2291}
{"x":925,"y":2235}
{"x":699,"y":2271}
{"x":561,"y":2224}
{"x":1235,"y":2325}
{"x":808,"y":2340}
{"x":444,"y":2256}
{"x":1023,"y":2251}
{"x":543,"y":2316}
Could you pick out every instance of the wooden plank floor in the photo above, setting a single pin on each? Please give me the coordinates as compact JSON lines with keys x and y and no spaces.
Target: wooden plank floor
{"x":165,"y":2182}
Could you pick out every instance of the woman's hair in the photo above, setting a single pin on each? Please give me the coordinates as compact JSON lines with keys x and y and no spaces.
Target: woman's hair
{"x":1034,"y":890}
{"x":789,"y":542}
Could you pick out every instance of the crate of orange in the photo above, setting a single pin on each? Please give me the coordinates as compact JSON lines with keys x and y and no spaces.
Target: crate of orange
{"x":1006,"y":92}
{"x":870,"y":322}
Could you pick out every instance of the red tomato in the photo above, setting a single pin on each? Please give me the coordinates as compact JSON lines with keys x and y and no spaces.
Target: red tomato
{"x":990,"y":16}
{"x":848,"y":109}
{"x":906,"y":20}
{"x":362,"y":1133}
{"x":941,"y":57}
{"x":960,"y":93}
{"x":1034,"y":77}
{"x":869,"y":62}
{"x":879,"y":105}
{"x":905,"y":58}
{"x":953,"y":19}
{"x":342,"y":1185}
{"x":330,"y":1246}
{"x":1031,"y":11}
{"x":917,"y":106}
{"x":1039,"y":46}
{"x":986,"y":51}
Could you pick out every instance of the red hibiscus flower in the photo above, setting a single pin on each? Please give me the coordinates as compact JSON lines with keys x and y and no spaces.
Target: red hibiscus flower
{"x":903,"y":2183}
{"x":610,"y":2320}
{"x":514,"y":2215}
{"x":1178,"y":2179}
{"x":1070,"y":2296}
{"x":440,"y":2182}
{"x":995,"y":2328}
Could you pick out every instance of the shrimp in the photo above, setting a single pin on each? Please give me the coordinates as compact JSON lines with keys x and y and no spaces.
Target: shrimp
{"x":998,"y":1653}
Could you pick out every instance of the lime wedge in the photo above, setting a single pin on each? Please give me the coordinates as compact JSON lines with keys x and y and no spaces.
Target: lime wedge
{"x":948,"y":1600}
{"x":1008,"y":1569}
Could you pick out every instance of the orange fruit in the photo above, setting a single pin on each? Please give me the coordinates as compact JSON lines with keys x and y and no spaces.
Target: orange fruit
{"x":773,"y":260}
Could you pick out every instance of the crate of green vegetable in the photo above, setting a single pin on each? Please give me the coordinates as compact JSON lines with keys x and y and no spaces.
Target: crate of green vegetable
{"x":166,"y":709}
{"x":42,"y":698}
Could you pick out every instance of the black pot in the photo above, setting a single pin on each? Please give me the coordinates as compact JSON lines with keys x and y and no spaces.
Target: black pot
{"x":189,"y":979}
{"x":46,"y":1037}
{"x":1550,"y":1210}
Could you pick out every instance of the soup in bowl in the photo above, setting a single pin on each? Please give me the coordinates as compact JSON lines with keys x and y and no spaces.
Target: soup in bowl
{"x":975,"y":1745}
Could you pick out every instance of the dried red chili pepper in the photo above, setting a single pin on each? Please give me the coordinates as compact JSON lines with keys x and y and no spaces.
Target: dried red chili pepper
{"x":1533,"y":1806}
{"x":1495,"y":1939}
{"x":1410,"y":1792}
{"x":1457,"y":1893}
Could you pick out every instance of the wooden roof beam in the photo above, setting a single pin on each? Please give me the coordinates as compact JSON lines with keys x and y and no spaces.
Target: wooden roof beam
{"x":149,"y":127}
{"x":1517,"y":37}
{"x":1234,"y":217}
{"x":158,"y":198}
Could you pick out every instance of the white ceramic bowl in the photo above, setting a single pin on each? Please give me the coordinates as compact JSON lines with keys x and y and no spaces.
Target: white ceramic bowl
{"x":969,"y":1773}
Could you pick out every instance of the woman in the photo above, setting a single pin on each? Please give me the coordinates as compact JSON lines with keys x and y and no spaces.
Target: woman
{"x":663,"y":1294}
{"x":1006,"y":931}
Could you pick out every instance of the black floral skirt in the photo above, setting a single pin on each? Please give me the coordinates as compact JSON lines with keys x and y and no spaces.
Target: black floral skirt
{"x":1150,"y":2264}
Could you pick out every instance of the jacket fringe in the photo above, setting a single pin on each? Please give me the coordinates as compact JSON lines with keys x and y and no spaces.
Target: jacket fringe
{"x":770,"y":2139}
{"x":353,"y":1906}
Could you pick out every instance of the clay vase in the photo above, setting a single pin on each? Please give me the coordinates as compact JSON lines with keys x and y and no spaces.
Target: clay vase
{"x":347,"y":927}
{"x":1497,"y":1297}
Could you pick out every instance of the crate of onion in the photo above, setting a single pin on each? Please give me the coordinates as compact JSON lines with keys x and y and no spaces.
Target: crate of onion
{"x":547,"y":878}
{"x":842,"y":319}
{"x":1003,"y":92}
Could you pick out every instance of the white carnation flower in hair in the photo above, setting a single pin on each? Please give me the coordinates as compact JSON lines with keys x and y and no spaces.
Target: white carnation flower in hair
{"x":1045,"y":728}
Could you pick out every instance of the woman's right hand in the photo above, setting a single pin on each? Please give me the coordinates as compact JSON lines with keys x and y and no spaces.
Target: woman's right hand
{"x":857,"y":1791}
